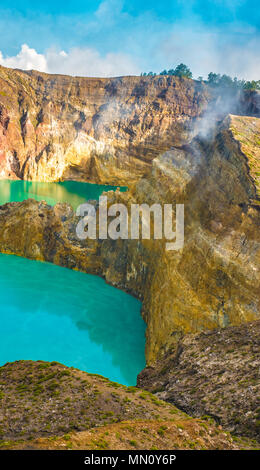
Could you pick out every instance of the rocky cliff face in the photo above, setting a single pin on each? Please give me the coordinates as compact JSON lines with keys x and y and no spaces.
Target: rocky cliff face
{"x":212,"y":282}
{"x":138,"y":131}
{"x":101,"y":130}
{"x":198,"y":286}
{"x":215,"y":373}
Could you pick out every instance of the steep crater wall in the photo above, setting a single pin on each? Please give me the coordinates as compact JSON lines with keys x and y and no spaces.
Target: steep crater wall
{"x":212,"y":282}
{"x":138,"y":131}
{"x":55,"y":127}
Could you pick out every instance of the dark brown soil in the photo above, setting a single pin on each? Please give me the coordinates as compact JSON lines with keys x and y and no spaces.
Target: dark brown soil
{"x":50,"y":406}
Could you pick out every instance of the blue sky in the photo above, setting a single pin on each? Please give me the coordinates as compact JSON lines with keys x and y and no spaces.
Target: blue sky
{"x":114,"y":37}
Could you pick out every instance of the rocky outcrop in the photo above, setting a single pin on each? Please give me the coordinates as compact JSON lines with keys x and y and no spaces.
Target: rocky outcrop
{"x":215,"y":373}
{"x":246,"y":131}
{"x":212,"y":282}
{"x":55,"y":127}
{"x":38,"y":231}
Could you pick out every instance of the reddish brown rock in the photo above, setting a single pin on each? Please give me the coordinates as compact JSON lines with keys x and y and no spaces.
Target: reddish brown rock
{"x":56,"y":127}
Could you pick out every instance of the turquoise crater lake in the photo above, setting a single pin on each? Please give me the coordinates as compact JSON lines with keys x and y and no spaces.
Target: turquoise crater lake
{"x":72,"y":192}
{"x":55,"y":314}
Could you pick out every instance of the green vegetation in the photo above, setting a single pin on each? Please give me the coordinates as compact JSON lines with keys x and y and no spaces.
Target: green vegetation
{"x":181,"y":70}
{"x":225,"y":81}
{"x":214,"y":79}
{"x":133,"y":443}
{"x":253,"y":85}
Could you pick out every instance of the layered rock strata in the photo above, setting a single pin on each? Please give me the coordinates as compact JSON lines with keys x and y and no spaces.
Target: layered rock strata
{"x":55,"y":127}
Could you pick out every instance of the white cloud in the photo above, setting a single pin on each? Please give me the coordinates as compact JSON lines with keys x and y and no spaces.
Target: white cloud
{"x":77,"y":61}
{"x":109,"y":11}
{"x":26,"y":59}
{"x":204,"y":50}
{"x":89,"y":62}
{"x":119,"y":43}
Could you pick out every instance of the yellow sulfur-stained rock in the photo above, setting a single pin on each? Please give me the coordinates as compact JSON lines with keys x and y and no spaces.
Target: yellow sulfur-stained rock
{"x":212,"y":282}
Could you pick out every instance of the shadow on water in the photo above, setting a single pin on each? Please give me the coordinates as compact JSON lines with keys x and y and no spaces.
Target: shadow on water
{"x":55,"y":314}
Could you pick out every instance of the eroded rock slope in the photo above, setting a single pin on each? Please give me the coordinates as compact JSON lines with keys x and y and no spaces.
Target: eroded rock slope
{"x":212,"y":282}
{"x":215,"y":373}
{"x":91,"y":129}
{"x":48,"y":405}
